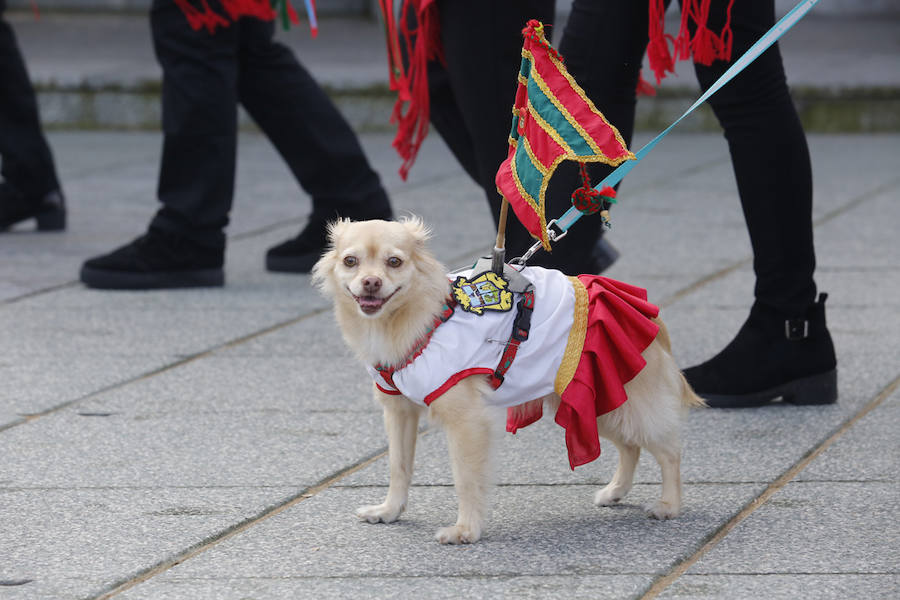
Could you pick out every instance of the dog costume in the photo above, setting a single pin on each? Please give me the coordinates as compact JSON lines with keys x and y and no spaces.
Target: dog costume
{"x":584,"y":343}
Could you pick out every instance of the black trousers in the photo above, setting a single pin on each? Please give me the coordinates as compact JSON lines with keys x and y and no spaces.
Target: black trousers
{"x":604,"y":43}
{"x":27,"y":163}
{"x":205,"y":76}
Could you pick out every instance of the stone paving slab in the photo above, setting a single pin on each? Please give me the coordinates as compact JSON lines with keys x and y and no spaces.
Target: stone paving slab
{"x":102,"y":534}
{"x":829,"y":528}
{"x":533,"y":530}
{"x":594,"y":587}
{"x":870,"y":451}
{"x":783,"y":587}
{"x":226,"y":450}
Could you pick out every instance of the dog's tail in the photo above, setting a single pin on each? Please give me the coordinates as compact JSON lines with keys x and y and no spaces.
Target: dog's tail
{"x":689,"y":397}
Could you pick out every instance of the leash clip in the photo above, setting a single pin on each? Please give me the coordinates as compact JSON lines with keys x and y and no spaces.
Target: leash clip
{"x":551,"y":233}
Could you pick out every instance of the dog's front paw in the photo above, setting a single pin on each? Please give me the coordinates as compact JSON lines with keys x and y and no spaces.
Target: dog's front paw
{"x":608,"y":496}
{"x":379,"y":513}
{"x":457,"y":534}
{"x":663,"y":510}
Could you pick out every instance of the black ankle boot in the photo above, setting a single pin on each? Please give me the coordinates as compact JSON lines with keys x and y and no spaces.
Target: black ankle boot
{"x":48,"y":211}
{"x":772,"y":356}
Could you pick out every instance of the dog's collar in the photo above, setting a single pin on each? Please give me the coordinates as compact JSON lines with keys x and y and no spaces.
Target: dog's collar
{"x":387,"y":371}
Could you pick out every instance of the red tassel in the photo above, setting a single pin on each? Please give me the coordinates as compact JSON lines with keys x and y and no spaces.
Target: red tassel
{"x":643,"y":86}
{"x":412,"y":110}
{"x":292,"y":14}
{"x":725,"y":36}
{"x":705,"y":46}
{"x":658,"y":54}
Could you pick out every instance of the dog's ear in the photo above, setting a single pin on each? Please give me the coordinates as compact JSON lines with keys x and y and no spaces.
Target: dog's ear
{"x":334,"y":230}
{"x":322,"y":269}
{"x":325,"y":265}
{"x":417,"y":229}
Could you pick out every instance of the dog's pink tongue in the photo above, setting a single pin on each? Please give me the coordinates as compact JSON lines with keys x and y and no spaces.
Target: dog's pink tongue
{"x":370,"y":304}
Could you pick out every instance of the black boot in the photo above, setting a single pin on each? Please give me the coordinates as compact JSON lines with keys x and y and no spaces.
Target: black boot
{"x":49,"y":210}
{"x":156,"y":260}
{"x":772,"y":356}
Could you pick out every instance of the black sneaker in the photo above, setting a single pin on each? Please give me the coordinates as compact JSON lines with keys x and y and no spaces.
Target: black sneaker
{"x":48,"y":210}
{"x":156,"y":260}
{"x":299,"y":254}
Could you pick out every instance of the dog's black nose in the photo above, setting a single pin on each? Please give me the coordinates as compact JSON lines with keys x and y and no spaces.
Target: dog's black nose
{"x":371,"y":285}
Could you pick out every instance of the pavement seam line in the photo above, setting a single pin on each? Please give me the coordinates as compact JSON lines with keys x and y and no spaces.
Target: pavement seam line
{"x":33,"y":293}
{"x":24,"y":419}
{"x":681,"y":568}
{"x":243,"y":526}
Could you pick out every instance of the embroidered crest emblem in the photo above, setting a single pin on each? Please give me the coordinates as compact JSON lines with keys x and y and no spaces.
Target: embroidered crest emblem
{"x":488,"y":291}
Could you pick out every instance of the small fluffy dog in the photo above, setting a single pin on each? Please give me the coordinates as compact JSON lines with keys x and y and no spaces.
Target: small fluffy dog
{"x":591,"y":343}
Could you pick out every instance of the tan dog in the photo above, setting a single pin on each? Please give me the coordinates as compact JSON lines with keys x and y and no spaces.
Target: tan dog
{"x":387,"y":289}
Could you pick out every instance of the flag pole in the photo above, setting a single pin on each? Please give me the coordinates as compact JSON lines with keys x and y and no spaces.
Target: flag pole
{"x":498,"y":256}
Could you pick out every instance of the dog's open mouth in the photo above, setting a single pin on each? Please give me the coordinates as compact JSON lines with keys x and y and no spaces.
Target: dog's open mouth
{"x":372,"y":304}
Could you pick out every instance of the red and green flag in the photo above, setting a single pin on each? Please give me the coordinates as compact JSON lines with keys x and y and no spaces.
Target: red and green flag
{"x":553,"y":120}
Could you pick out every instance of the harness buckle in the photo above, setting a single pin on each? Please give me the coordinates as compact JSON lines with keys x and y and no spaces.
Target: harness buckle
{"x":522,"y":322}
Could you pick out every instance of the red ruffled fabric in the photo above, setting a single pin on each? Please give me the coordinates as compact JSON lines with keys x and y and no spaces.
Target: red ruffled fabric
{"x":619,"y":329}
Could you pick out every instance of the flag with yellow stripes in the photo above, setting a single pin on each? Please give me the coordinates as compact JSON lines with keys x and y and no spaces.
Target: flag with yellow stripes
{"x":553,"y":120}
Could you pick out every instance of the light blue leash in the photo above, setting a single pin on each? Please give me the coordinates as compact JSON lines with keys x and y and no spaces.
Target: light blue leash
{"x":780,"y":28}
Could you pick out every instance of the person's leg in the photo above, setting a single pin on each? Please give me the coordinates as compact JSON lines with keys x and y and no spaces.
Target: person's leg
{"x":314,"y":139}
{"x":30,"y":186}
{"x":185,"y":243}
{"x":771,"y":161}
{"x":774,"y":177}
{"x":199,"y":113}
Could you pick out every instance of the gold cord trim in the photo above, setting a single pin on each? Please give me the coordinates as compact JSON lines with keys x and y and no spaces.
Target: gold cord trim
{"x":575,"y":344}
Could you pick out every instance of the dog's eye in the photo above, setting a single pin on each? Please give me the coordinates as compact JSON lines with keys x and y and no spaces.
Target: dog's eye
{"x":394,"y":262}
{"x":350,"y":261}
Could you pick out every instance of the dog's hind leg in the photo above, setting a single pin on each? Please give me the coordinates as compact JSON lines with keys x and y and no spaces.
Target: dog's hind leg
{"x":669,"y":504}
{"x":401,"y":421}
{"x":462,"y":414}
{"x":621,"y":482}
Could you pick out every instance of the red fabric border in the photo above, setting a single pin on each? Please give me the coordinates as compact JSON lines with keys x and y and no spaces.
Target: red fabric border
{"x":454,"y":379}
{"x":389,"y":392}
